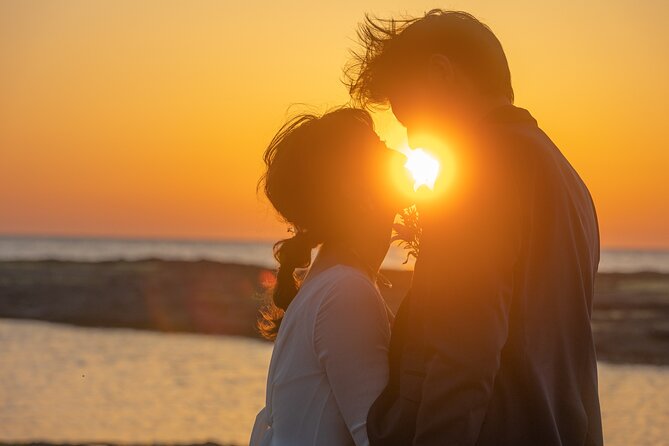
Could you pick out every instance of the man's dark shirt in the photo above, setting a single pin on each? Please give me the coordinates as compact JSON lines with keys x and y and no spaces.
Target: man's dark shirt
{"x":493,"y":344}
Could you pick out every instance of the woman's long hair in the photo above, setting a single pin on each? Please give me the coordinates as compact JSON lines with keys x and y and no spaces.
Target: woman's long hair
{"x":304,"y":162}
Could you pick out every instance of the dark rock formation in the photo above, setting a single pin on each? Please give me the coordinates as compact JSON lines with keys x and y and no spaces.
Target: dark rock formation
{"x":630,"y":319}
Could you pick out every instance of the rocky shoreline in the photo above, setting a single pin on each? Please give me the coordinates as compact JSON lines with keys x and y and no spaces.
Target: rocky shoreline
{"x":630,"y":319}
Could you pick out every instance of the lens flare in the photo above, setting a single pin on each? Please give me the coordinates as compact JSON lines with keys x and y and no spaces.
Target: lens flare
{"x":424,"y":168}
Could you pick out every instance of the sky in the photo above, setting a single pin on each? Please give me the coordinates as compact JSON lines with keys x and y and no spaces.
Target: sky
{"x":149,"y":118}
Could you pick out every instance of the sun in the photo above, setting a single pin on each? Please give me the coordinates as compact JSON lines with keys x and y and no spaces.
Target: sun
{"x":424,"y":168}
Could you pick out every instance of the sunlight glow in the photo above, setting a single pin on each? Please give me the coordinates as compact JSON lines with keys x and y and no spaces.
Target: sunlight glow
{"x":424,"y":168}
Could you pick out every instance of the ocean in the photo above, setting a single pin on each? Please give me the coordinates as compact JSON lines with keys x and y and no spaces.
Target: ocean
{"x":252,"y":253}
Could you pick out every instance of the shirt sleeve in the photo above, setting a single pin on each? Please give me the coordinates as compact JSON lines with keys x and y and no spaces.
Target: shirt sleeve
{"x":351,"y":336}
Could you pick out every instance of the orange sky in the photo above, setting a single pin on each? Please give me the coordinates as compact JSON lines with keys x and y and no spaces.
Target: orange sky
{"x":124,"y":118}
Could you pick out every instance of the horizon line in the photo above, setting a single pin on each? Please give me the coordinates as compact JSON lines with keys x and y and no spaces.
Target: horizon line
{"x":241,"y":239}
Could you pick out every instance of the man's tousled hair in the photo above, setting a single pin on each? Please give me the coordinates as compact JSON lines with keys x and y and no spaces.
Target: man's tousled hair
{"x":391,"y":49}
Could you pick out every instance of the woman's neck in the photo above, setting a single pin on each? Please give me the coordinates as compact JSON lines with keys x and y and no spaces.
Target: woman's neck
{"x":332,"y":254}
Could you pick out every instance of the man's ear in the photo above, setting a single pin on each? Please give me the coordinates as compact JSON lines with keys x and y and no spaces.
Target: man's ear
{"x":440,"y":69}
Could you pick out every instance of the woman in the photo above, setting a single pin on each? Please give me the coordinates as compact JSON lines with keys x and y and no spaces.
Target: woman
{"x":326,"y":176}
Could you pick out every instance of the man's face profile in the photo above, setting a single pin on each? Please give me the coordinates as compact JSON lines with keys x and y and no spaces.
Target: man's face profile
{"x":431,"y":97}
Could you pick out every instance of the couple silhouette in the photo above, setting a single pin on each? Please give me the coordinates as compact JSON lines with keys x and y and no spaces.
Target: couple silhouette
{"x":493,"y":343}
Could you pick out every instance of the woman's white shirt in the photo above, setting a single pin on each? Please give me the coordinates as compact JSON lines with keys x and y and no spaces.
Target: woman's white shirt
{"x":329,"y":364}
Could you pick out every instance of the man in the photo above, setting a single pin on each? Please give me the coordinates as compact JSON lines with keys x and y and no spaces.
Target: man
{"x":493,"y":344}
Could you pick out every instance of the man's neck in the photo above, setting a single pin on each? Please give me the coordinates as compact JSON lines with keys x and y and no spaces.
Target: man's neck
{"x":471,"y":117}
{"x":485,"y":106}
